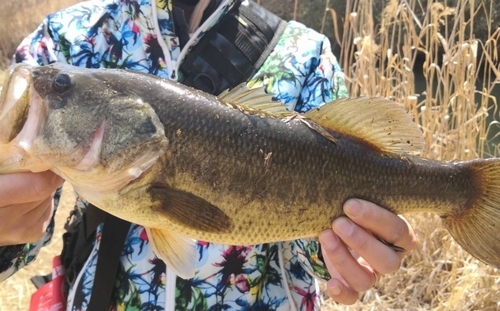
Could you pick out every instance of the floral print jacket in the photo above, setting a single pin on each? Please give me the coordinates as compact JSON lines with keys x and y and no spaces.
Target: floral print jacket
{"x":139,"y":35}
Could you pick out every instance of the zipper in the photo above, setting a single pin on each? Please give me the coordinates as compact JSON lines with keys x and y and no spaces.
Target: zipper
{"x":175,"y":69}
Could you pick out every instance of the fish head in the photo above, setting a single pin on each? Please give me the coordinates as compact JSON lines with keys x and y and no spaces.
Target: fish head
{"x":88,"y":126}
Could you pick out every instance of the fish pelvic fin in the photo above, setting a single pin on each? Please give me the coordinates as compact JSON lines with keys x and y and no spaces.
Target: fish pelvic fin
{"x":477,"y":228}
{"x":178,"y":253}
{"x":380,"y":122}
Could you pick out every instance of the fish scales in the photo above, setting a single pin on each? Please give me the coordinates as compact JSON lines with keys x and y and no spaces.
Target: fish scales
{"x":287,"y":188}
{"x":237,"y":168}
{"x":253,"y":167}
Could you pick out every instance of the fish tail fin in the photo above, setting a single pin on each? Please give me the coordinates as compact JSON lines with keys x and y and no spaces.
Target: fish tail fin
{"x":477,"y":229}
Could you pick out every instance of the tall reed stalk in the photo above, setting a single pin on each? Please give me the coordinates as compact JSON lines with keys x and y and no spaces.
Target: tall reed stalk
{"x":379,"y":60}
{"x":430,"y":41}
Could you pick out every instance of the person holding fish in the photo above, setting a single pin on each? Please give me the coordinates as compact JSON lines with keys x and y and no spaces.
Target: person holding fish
{"x":212,"y":46}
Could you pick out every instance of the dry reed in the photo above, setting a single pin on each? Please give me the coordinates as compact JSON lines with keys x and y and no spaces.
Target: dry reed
{"x":452,"y":111}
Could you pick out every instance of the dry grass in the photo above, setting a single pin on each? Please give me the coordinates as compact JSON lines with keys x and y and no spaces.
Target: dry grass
{"x":19,"y":18}
{"x":452,"y":111}
{"x":380,"y":60}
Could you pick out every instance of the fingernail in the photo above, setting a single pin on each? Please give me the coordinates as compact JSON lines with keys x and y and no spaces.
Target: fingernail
{"x":342,"y":226}
{"x":328,"y":239}
{"x":354,"y":208}
{"x":334,"y":290}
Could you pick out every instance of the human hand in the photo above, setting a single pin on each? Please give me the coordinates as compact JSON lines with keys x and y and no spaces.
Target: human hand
{"x":26,"y":206}
{"x":355,"y":258}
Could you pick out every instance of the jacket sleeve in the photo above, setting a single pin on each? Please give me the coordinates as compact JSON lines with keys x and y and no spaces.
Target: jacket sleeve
{"x":42,"y":47}
{"x":37,"y":48}
{"x":324,"y":81}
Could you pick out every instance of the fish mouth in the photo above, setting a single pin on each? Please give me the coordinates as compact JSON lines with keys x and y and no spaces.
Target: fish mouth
{"x":22,"y":113}
{"x":32,"y":124}
{"x":15,"y":101}
{"x":22,"y":116}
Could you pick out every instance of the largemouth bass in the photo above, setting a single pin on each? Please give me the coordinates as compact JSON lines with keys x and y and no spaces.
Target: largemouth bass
{"x":234,"y":169}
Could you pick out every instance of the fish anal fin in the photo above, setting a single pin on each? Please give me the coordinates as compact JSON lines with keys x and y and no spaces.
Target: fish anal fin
{"x":190,"y":210}
{"x":178,"y":253}
{"x":378,"y":121}
{"x":254,"y":101}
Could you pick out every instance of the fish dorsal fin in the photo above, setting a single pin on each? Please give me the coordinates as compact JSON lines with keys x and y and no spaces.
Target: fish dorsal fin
{"x":254,"y":102}
{"x":379,"y":121}
{"x":178,"y":253}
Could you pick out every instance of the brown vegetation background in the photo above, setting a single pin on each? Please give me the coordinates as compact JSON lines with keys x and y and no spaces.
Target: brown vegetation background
{"x":438,"y":59}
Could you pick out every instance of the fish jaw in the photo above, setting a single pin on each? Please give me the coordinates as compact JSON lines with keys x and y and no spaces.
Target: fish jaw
{"x":14,"y":102}
{"x":22,"y":117}
{"x":33,"y":125}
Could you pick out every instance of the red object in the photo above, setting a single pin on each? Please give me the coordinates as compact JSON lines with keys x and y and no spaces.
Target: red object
{"x":50,"y":296}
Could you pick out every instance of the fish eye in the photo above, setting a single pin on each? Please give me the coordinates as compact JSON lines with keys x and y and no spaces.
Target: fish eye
{"x":61,"y":83}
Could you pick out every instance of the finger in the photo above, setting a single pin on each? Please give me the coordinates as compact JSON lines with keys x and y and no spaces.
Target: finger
{"x":341,"y":263}
{"x":44,"y":219}
{"x":380,"y":256}
{"x":388,"y":226}
{"x":27,"y":187}
{"x":341,"y":293}
{"x":31,"y":226}
{"x":10,"y":213}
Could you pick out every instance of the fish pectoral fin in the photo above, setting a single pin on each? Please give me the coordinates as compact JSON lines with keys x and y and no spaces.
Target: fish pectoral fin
{"x":189,"y":210}
{"x":378,"y":121}
{"x":178,"y":253}
{"x":254,"y":101}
